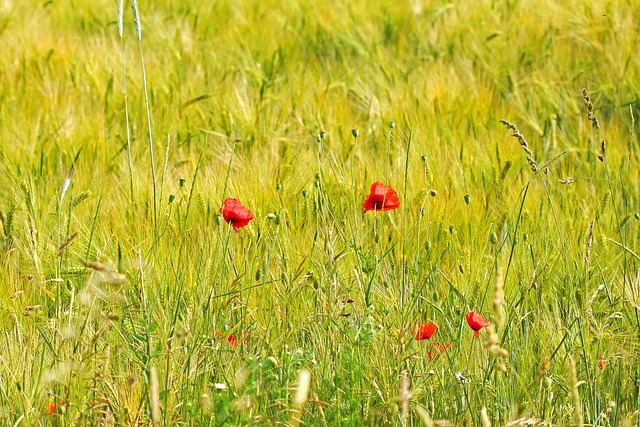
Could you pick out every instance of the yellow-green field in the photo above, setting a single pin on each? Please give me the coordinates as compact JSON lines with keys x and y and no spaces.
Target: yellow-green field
{"x":128,"y":300}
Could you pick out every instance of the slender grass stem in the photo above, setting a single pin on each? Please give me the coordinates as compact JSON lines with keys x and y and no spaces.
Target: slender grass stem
{"x":126,"y":101}
{"x":138,"y":25}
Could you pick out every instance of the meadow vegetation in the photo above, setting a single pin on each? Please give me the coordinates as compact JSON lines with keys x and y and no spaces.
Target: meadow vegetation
{"x":128,"y":300}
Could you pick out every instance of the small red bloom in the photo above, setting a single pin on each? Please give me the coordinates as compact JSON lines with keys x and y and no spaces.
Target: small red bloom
{"x":440,"y":347}
{"x":601,"y":362}
{"x":424,"y":331}
{"x":381,"y":198}
{"x":235,"y":213}
{"x":231,"y":339}
{"x":54,"y":407}
{"x":476,"y":322}
{"x":234,"y":339}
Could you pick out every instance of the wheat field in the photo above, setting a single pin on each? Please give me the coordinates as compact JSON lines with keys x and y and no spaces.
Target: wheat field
{"x":135,"y":291}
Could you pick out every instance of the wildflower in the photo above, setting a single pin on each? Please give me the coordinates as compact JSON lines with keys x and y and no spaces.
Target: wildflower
{"x":462,"y":379}
{"x":235,"y":213}
{"x":601,"y":362}
{"x":432,"y":354}
{"x":476,"y":322}
{"x":381,"y":198}
{"x":442,"y":347}
{"x":231,"y":339}
{"x":55,"y":407}
{"x":424,"y":331}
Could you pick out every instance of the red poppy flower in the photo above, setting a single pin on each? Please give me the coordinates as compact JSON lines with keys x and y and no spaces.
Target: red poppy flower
{"x":440,"y":347}
{"x":235,"y":213}
{"x":53,"y":406}
{"x":232,"y":341}
{"x":476,"y":322}
{"x":601,"y":362}
{"x":381,"y":198}
{"x":424,"y":331}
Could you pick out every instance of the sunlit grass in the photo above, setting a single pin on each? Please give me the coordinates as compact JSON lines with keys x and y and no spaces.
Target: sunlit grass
{"x":158,"y":313}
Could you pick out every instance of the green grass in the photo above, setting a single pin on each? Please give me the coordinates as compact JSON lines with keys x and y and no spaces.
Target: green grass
{"x":129,"y":323}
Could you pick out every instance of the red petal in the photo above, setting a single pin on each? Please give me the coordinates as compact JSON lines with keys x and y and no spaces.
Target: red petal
{"x":235,"y":213}
{"x":442,"y":347}
{"x":232,"y":341}
{"x":476,"y":321}
{"x":381,"y":198}
{"x":424,"y":331}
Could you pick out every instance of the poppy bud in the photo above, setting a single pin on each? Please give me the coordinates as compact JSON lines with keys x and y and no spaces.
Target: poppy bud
{"x":525,"y":236}
{"x":392,"y":125}
{"x":171,"y":198}
{"x":467,"y":199}
{"x":433,"y":193}
{"x":218,"y":219}
{"x":271,"y":215}
{"x":278,"y":186}
{"x":355,"y":133}
{"x":637,"y":215}
{"x":451,"y":229}
{"x":182,"y":182}
{"x":258,"y":275}
{"x":317,"y":176}
{"x":424,"y":158}
{"x":493,"y":238}
{"x":322,"y":135}
{"x":304,"y":193}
